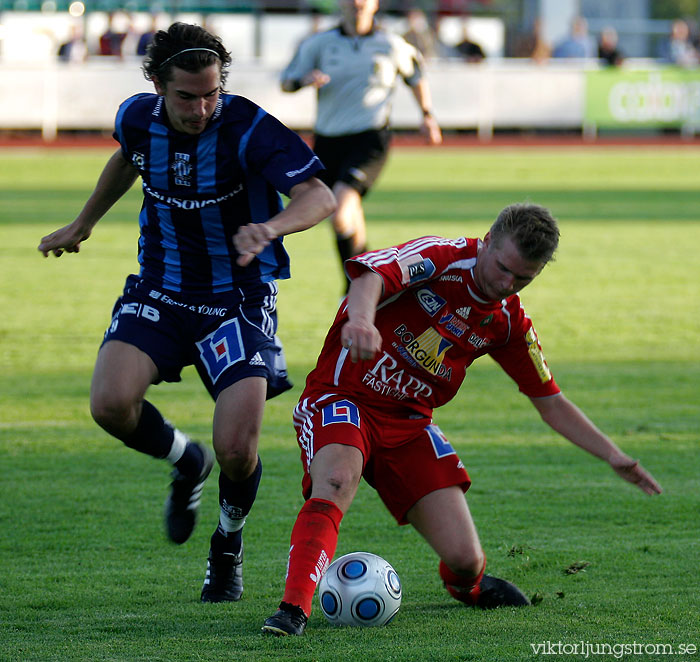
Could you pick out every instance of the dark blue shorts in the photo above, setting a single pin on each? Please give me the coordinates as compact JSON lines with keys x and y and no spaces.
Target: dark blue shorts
{"x":227,"y":336}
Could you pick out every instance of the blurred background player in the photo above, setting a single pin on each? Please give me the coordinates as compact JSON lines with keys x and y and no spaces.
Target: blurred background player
{"x":209,"y":250}
{"x":354,"y":68}
{"x":416,"y":317}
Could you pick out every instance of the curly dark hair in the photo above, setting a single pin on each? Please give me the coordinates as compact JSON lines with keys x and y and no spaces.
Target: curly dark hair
{"x":162,"y":54}
{"x":532,"y":228}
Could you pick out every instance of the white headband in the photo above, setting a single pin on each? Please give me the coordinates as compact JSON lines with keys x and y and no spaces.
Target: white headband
{"x":188,"y":50}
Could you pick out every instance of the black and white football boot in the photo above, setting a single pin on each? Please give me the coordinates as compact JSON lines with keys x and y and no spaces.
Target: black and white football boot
{"x":287,"y":620}
{"x":183,"y":501}
{"x":224,"y":579}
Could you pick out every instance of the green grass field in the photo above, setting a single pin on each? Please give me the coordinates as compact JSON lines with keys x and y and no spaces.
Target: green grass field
{"x":87,"y":572}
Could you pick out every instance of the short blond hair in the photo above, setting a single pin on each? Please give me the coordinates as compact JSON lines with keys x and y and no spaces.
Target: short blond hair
{"x":532,"y":228}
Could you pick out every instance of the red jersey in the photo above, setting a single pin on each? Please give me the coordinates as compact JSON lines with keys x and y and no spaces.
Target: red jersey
{"x":434,"y":323}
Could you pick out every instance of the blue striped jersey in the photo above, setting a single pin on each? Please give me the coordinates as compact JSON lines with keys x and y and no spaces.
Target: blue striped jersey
{"x":198,"y":189}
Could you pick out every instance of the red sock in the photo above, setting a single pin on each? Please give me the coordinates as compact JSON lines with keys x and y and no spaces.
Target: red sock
{"x":313,"y":543}
{"x":464,"y":589}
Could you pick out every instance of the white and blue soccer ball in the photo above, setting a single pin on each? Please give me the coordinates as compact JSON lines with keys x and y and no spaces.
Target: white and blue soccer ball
{"x":360,"y":589}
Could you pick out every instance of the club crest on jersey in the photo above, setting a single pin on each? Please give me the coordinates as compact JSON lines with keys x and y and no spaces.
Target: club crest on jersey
{"x":536,"y":356}
{"x":429,"y":301}
{"x":428,"y":350}
{"x":415,"y":269}
{"x":182,"y":169}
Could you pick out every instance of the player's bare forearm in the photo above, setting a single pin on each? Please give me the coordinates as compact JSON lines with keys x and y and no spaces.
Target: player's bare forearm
{"x":431,"y":130}
{"x":359,"y":334}
{"x":429,"y":127}
{"x":310,"y":202}
{"x":116,"y":179}
{"x":567,"y":419}
{"x":315,"y":78}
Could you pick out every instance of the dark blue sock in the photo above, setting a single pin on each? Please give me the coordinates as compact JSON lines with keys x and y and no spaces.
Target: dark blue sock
{"x":192,"y":460}
{"x":153,"y":435}
{"x":236,"y":501}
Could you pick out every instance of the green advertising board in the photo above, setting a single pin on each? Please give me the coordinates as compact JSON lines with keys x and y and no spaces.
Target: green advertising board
{"x":652,"y":98}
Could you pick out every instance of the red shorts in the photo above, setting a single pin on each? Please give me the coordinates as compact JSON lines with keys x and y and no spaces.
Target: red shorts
{"x":404,"y":458}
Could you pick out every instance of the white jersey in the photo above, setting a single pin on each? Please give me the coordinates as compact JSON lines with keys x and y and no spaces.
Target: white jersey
{"x":363,"y":71}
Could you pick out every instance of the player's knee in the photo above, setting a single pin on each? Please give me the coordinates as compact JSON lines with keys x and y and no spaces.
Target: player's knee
{"x":238,"y":463}
{"x":339,"y":485}
{"x":465,"y":564}
{"x":114,"y":413}
{"x":345,"y":221}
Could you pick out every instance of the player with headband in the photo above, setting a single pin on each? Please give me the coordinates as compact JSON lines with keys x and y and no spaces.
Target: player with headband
{"x":212,"y":166}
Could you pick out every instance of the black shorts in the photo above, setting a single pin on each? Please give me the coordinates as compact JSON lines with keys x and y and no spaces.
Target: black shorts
{"x":354,"y":159}
{"x":227,"y":336}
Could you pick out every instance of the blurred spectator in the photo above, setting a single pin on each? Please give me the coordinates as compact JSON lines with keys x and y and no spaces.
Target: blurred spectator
{"x":111,"y":41}
{"x":468,"y":49}
{"x":608,"y":50}
{"x":694,"y":33}
{"x":146,"y":37}
{"x":533,"y":45}
{"x":421,"y":34}
{"x":75,"y":49}
{"x":679,"y":48}
{"x":579,"y":44}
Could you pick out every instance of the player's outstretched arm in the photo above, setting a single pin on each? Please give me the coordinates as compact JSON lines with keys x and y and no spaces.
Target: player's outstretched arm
{"x":309,"y":203}
{"x":568,"y":420}
{"x":116,"y":179}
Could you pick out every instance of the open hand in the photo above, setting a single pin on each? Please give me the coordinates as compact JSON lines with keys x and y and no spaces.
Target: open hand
{"x":634,"y":473}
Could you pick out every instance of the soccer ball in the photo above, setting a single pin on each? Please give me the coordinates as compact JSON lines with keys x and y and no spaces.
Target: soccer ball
{"x":360,"y":589}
